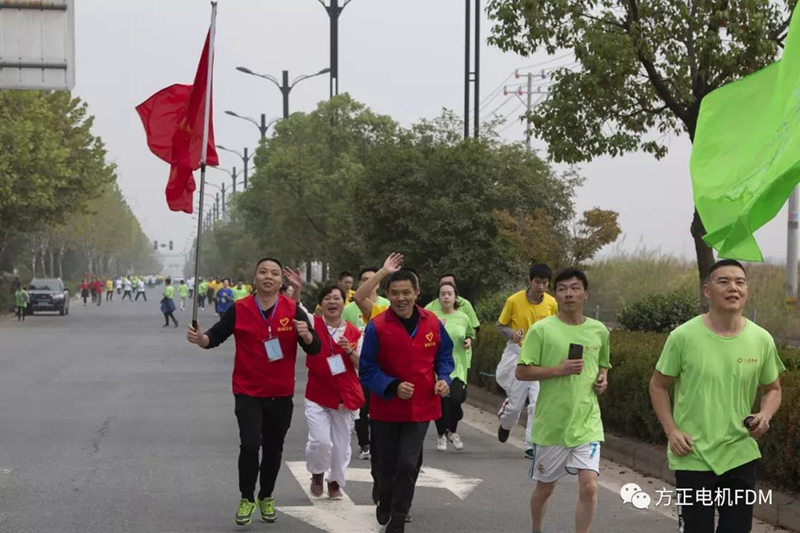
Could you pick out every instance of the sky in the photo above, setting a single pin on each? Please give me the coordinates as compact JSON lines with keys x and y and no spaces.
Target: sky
{"x":404,"y":59}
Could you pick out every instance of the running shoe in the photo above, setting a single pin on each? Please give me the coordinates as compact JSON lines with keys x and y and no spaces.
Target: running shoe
{"x":364,"y":453}
{"x":316,"y":484}
{"x":335,"y":491}
{"x":458,"y":444}
{"x":502,"y":434}
{"x":441,"y":443}
{"x":267,"y":507}
{"x":383,"y":515}
{"x":245,"y":512}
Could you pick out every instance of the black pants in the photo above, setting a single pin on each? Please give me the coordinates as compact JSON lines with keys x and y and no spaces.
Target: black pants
{"x":20,"y":314}
{"x":263,"y":423}
{"x":452,"y":413}
{"x":99,"y":299}
{"x":734,"y":517}
{"x":169,"y":315}
{"x":128,"y":294}
{"x":362,"y":424}
{"x":143,"y":295}
{"x":109,"y":295}
{"x":399,"y":456}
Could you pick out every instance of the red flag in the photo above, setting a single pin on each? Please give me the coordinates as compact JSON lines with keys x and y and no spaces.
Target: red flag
{"x":173,"y":120}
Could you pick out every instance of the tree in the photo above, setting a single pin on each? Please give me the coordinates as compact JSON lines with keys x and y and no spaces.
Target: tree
{"x":438,"y":195}
{"x":645,"y":67}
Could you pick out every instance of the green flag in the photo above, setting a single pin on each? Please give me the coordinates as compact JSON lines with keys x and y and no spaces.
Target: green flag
{"x":746,"y":153}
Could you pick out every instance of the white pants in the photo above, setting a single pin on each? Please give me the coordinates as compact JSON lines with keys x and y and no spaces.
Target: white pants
{"x":328,"y":446}
{"x":517,"y":391}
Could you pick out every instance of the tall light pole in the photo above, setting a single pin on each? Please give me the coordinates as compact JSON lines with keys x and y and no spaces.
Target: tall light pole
{"x":475,"y":75}
{"x":263,"y":127}
{"x":229,"y":173}
{"x":284,"y":85}
{"x":222,"y":190}
{"x":334,"y":11}
{"x":245,"y":159}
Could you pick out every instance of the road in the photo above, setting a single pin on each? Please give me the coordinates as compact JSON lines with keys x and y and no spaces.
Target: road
{"x":111,"y":423}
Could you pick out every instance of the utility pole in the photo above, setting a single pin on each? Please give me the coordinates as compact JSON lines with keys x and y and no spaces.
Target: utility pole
{"x":233,"y":177}
{"x":528,"y":102}
{"x":791,"y":248}
{"x":472,"y":76}
{"x":530,"y":108}
{"x":246,"y":160}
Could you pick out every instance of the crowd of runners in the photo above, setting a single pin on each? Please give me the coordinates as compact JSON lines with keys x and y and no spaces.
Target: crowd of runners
{"x":385,"y":366}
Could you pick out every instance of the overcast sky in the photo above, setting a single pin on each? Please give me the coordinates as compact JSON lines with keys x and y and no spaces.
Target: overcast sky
{"x":401,"y":58}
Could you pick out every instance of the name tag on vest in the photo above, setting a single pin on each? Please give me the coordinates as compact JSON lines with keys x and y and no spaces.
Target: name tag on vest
{"x":273,"y":348}
{"x":336,"y":364}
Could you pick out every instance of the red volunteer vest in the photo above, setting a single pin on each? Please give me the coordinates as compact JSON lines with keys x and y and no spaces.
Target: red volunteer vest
{"x":323,"y":387}
{"x":409,"y":360}
{"x":253,"y":373}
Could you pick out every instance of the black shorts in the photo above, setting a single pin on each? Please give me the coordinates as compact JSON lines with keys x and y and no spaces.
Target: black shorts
{"x":706,"y":492}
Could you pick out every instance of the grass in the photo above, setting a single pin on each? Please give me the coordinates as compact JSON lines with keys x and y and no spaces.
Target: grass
{"x":625,"y":277}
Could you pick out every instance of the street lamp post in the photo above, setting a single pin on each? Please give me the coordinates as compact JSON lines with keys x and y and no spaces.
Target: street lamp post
{"x":229,"y":173}
{"x":262,"y":128}
{"x":284,"y":85}
{"x":333,"y":14}
{"x":245,"y":159}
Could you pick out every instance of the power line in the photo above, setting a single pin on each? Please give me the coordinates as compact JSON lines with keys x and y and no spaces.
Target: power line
{"x":508,"y":99}
{"x":548,"y":61}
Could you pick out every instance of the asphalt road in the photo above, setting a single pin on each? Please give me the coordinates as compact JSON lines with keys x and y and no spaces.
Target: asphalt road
{"x":109,"y":422}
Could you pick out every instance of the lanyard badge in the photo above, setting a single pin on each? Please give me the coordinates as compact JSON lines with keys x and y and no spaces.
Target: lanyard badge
{"x":271,"y":346}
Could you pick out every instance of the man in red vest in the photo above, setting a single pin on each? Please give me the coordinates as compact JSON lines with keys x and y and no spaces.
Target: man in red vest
{"x":267,"y":329}
{"x":406,"y":362}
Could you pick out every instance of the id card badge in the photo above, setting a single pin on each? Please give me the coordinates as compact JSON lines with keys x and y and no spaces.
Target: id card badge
{"x":274,"y":352}
{"x":336,"y":364}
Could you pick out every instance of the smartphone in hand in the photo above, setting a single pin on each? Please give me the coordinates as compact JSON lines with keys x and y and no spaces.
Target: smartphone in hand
{"x":575,"y":351}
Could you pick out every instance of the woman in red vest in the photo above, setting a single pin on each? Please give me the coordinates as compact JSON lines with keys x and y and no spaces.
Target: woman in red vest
{"x":333,"y":395}
{"x":267,"y":328}
{"x":406,"y":361}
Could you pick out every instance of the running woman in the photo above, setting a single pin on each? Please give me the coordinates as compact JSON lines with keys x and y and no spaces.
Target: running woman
{"x":459,"y":326}
{"x":521,"y":310}
{"x":717,"y":362}
{"x":333,"y":395}
{"x":406,"y":362}
{"x":168,"y":303}
{"x":21,"y":297}
{"x":267,"y":329}
{"x":569,"y":354}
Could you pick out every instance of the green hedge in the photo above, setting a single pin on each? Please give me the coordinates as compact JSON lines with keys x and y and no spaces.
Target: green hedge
{"x":626,"y":405}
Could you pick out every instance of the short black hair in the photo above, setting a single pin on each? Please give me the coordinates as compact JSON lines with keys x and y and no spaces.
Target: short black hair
{"x":541,"y":271}
{"x":326,"y":290}
{"x":227,"y":279}
{"x":724,"y":263}
{"x":263,"y":259}
{"x":413,"y":271}
{"x":455,"y":290}
{"x":344,"y":274}
{"x":404,"y":274}
{"x":448,"y":275}
{"x":167,"y":281}
{"x":365,"y":270}
{"x":182,"y":282}
{"x":569,"y":273}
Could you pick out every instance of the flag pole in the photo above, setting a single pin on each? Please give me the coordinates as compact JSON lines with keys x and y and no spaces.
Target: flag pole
{"x":203,"y":154}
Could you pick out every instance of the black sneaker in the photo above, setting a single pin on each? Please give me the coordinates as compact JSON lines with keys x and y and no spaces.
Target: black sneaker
{"x":383,"y":516}
{"x":502,"y":434}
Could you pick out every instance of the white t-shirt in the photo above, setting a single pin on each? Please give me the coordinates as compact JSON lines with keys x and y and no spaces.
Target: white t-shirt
{"x":140,"y":286}
{"x":127,"y":283}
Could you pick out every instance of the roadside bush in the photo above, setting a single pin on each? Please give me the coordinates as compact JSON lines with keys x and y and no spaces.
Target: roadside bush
{"x":659,"y":313}
{"x":626,"y":406}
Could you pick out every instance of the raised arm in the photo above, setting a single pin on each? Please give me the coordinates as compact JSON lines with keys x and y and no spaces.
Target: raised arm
{"x":392,"y":264}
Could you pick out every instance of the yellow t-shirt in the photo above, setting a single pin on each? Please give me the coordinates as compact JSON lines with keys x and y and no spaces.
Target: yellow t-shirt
{"x":109,"y":285}
{"x":350,"y":295}
{"x":519,"y":314}
{"x":376,"y":310}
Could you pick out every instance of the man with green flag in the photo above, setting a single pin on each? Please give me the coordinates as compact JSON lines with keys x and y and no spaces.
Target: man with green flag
{"x":746,"y":152}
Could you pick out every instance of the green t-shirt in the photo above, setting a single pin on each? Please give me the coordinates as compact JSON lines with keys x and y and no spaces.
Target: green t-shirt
{"x":203,"y":287}
{"x":21,"y":297}
{"x":716,"y":379}
{"x":169,"y":292}
{"x":463,"y":305}
{"x":352,"y":313}
{"x":567,"y":411}
{"x":459,"y":326}
{"x":183,"y":291}
{"x":238,"y":294}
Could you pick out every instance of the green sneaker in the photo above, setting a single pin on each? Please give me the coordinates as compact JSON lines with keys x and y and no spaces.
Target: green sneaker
{"x":244,"y":512}
{"x":267,"y":507}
